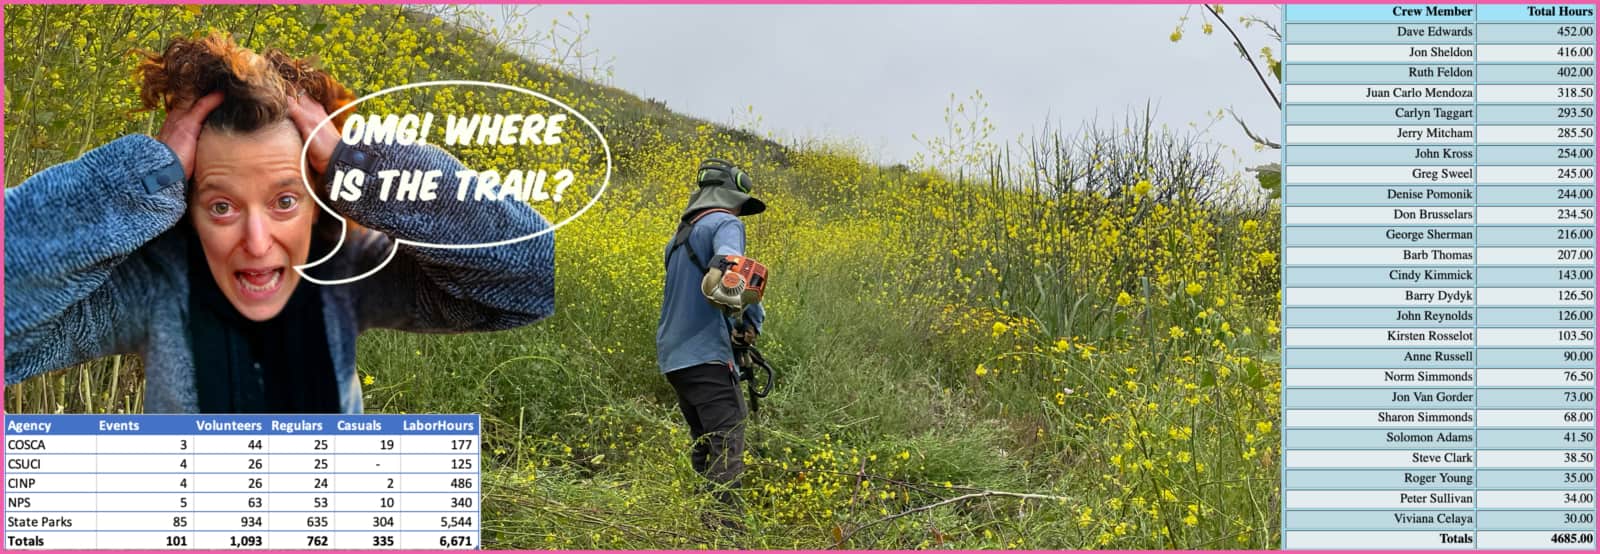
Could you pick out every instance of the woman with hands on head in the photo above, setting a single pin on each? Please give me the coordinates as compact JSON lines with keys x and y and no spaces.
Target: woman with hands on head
{"x":182,"y":248}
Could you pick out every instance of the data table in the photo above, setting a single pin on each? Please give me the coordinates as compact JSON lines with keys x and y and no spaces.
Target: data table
{"x":1438,"y":274}
{"x":281,"y":482}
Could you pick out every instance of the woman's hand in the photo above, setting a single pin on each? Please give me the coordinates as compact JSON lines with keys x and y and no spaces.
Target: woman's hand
{"x":181,"y":128}
{"x":306,"y":114}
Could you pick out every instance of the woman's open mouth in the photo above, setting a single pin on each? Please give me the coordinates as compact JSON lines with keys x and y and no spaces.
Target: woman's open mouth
{"x":259,"y":284}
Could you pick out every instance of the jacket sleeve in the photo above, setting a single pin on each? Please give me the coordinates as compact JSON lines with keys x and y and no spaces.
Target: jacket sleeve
{"x":76,"y":288}
{"x":729,"y":240}
{"x":443,"y":289}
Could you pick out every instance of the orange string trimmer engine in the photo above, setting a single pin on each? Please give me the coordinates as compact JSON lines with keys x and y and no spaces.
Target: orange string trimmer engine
{"x":735,"y":282}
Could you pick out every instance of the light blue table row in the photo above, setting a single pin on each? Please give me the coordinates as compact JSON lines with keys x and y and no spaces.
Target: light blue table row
{"x":1438,"y":33}
{"x":1443,"y":235}
{"x":1441,"y":519}
{"x":1452,"y":114}
{"x":1435,"y":73}
{"x":1440,"y":195}
{"x":1438,"y":318}
{"x":1438,"y":358}
{"x":1409,"y":439}
{"x":1433,"y":155}
{"x":1435,"y":480}
{"x":1426,"y":397}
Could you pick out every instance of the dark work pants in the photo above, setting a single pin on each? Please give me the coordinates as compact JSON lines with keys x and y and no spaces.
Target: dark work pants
{"x":709,"y":397}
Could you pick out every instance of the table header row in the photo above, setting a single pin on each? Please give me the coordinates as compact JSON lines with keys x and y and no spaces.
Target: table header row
{"x":375,"y":424}
{"x":1455,"y":13}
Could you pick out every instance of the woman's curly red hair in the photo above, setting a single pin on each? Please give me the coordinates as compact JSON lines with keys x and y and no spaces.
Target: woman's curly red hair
{"x":256,"y":87}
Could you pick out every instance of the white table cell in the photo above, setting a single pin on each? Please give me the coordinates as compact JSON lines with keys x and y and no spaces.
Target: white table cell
{"x":1378,"y":94}
{"x":445,"y":522}
{"x":302,"y":444}
{"x":1581,"y":93}
{"x":146,"y":444}
{"x":1329,"y":296}
{"x":231,"y":540}
{"x":439,"y":482}
{"x":1396,"y":459}
{"x":368,"y":463}
{"x":231,"y":502}
{"x":1367,"y":93}
{"x":145,"y":540}
{"x":302,"y":463}
{"x":145,"y":463}
{"x":1536,"y":418}
{"x":231,"y":444}
{"x":368,"y":540}
{"x":1574,"y":338}
{"x":1557,"y":53}
{"x":1402,"y":499}
{"x":370,"y":444}
{"x":314,"y":521}
{"x":53,"y":522}
{"x":19,"y":445}
{"x":368,"y":501}
{"x":1536,"y":377}
{"x":50,"y":463}
{"x":254,"y":483}
{"x":243,"y":522}
{"x":233,"y":463}
{"x":144,"y":501}
{"x":176,"y":483}
{"x":377,"y":522}
{"x":439,"y":541}
{"x":1416,"y":53}
{"x":442,"y":444}
{"x":1535,"y":540}
{"x":435,"y":463}
{"x":1535,"y":215}
{"x":1379,"y":134}
{"x":303,"y":501}
{"x":1309,"y":337}
{"x":1557,"y":500}
{"x":1434,"y":378}
{"x":175,"y":521}
{"x":58,"y":502}
{"x":41,"y":483}
{"x":1535,"y":134}
{"x":370,"y":482}
{"x":1373,"y":540}
{"x":453,"y":501}
{"x":302,"y":540}
{"x":305,"y":482}
{"x":1421,"y":255}
{"x":1377,"y":215}
{"x":1380,"y":419}
{"x":50,"y":540}
{"x":1536,"y":297}
{"x":1577,"y":459}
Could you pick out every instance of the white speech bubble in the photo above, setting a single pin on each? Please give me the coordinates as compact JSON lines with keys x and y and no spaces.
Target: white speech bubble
{"x":344,"y":225}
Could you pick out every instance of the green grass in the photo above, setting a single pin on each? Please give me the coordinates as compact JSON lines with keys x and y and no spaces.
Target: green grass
{"x":1149,"y":423}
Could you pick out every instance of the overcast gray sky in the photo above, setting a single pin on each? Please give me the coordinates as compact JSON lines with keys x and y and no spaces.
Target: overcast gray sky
{"x":881,"y":73}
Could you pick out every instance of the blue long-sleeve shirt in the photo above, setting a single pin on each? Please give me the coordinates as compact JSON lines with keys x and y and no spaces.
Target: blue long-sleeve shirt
{"x":692,"y":331}
{"x":94,"y":267}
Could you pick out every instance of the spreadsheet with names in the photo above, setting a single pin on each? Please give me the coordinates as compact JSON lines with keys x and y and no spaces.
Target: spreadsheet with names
{"x":1438,"y":276}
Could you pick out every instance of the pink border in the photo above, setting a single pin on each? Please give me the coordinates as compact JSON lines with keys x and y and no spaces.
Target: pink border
{"x":700,"y":2}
